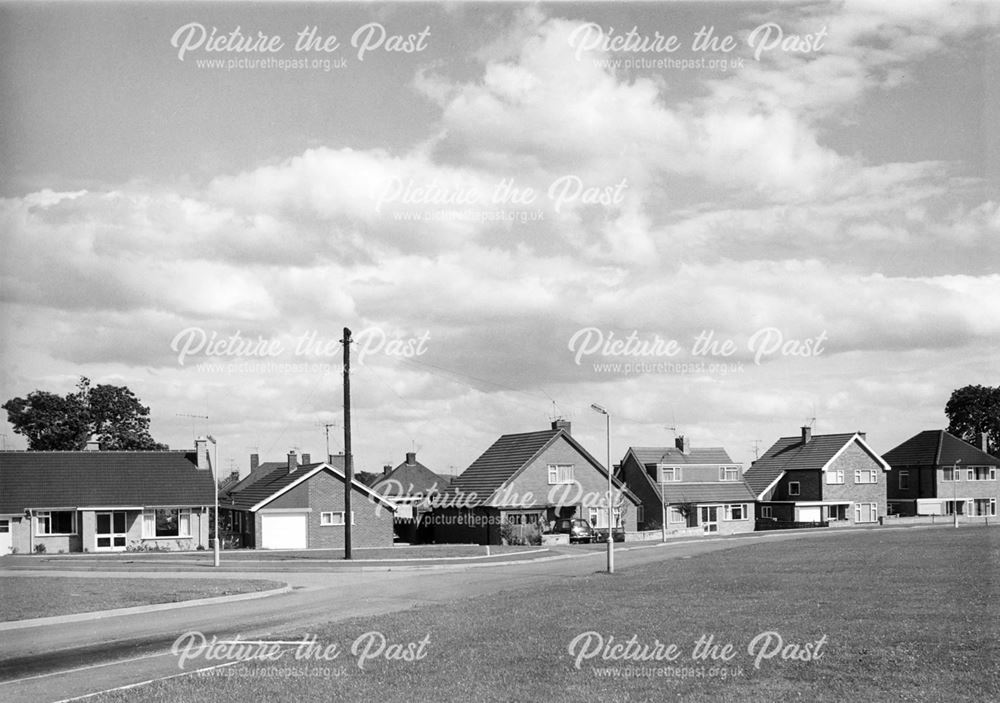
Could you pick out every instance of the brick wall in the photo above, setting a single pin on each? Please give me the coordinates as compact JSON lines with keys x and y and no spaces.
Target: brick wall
{"x":851,"y":459}
{"x":372,"y":526}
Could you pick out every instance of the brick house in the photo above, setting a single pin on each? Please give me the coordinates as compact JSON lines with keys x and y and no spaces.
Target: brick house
{"x":297,"y":506}
{"x":105,"y":501}
{"x":411,"y":487}
{"x":936,"y":473}
{"x":816,"y":479}
{"x":527,"y":480}
{"x":691,"y":490}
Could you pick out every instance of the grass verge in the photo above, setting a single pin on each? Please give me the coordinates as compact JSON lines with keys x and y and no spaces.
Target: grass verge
{"x":884,"y":615}
{"x":27,"y":597}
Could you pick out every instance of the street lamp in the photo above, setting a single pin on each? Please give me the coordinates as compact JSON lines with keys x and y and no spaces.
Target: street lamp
{"x":611,"y":542}
{"x":215,"y":485}
{"x":954,"y":490}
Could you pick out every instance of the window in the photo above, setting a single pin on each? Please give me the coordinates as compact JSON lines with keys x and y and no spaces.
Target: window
{"x":866,"y":512}
{"x":736,"y":512}
{"x":560,"y":473}
{"x":865,"y":476}
{"x":766,"y":511}
{"x":982,"y":473}
{"x":56,"y":522}
{"x":834,"y":477}
{"x":984,"y":506}
{"x":904,"y":480}
{"x":968,"y":475}
{"x":794,"y":488}
{"x":677,"y":516}
{"x":168,"y":522}
{"x":951,"y":505}
{"x":670,"y":473}
{"x":334,"y":518}
{"x":729,"y":473}
{"x":951,"y":473}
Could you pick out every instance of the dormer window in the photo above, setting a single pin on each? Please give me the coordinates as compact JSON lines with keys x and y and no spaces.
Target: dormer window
{"x":669,"y":473}
{"x":729,"y":473}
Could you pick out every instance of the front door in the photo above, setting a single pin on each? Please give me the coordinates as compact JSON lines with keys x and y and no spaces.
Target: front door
{"x":111,"y":533}
{"x":710,"y":518}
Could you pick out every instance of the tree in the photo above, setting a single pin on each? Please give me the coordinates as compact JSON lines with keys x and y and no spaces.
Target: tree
{"x":112,"y":413}
{"x":975,"y":409}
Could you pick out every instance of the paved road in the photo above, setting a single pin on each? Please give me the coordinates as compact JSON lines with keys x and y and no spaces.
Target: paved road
{"x":57,"y":662}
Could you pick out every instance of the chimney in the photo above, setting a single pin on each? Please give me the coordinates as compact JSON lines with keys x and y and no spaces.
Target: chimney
{"x":807,"y":434}
{"x":305,"y":459}
{"x":254,"y":461}
{"x":201,"y":451}
{"x":683,"y":443}
{"x":983,"y":442}
{"x":293,"y":461}
{"x":387,"y":469}
{"x":411,"y":458}
{"x":93,"y":445}
{"x":562,"y":424}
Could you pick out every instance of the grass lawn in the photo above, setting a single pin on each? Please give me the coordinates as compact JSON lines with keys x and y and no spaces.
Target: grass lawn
{"x":909,"y":615}
{"x":41,"y":596}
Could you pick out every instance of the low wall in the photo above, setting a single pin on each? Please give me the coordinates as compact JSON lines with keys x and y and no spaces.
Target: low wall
{"x":891,"y":520}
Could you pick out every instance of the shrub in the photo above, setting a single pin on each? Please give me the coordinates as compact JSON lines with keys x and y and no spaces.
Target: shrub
{"x":39,"y":549}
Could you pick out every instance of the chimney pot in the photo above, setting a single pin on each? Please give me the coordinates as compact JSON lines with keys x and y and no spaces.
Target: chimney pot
{"x":807,"y":434}
{"x":386,"y":469}
{"x":984,"y":442}
{"x":411,"y":458}
{"x":293,"y":461}
{"x":306,"y":459}
{"x":683,"y":443}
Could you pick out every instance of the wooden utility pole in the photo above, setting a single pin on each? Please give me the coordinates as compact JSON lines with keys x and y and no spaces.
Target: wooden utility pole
{"x":348,"y":460}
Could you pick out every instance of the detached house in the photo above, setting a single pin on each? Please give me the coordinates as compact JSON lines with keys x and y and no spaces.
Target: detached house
{"x":289,"y":505}
{"x":411,"y":487}
{"x":936,"y":473}
{"x":105,"y":501}
{"x":690,"y":490}
{"x":530,"y":479}
{"x":834,"y":478}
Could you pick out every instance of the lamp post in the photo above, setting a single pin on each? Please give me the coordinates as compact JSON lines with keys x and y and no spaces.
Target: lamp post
{"x":611,"y":541}
{"x":215,"y":485}
{"x":954,"y":491}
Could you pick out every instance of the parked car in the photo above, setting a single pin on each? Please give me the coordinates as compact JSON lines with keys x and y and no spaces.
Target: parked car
{"x":577,"y":529}
{"x":601,"y":535}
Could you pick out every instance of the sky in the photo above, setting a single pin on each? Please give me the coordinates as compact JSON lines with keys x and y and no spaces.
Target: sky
{"x":717,"y":220}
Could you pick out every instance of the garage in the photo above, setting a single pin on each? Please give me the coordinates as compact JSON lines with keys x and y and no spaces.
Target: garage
{"x":283,"y":530}
{"x":811,"y":514}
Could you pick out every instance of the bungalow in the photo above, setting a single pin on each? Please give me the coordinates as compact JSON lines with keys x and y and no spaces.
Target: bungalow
{"x":525,"y":481}
{"x":834,"y":478}
{"x":411,"y":486}
{"x":292,"y":506}
{"x":688,"y":490}
{"x":936,"y":473}
{"x":105,"y":501}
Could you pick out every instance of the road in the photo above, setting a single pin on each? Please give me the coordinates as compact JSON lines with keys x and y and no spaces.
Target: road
{"x":57,"y":662}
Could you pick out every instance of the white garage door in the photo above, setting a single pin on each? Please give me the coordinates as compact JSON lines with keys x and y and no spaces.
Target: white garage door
{"x":283,"y":531}
{"x":811,"y":514}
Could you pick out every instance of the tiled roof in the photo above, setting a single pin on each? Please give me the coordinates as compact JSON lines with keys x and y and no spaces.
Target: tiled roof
{"x":506,"y":457}
{"x":500,"y":462}
{"x":265,"y":486}
{"x":790,"y":454}
{"x":709,"y":492}
{"x":102,"y":479}
{"x":937,"y":448}
{"x":412,"y":479}
{"x":672,"y":455}
{"x":252,"y":477}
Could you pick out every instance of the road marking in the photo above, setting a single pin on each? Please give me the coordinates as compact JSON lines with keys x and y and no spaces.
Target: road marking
{"x":85,"y":668}
{"x":147,"y":682}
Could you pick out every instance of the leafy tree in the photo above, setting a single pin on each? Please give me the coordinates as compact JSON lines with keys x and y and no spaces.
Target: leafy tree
{"x":112,"y":413}
{"x":975,"y":409}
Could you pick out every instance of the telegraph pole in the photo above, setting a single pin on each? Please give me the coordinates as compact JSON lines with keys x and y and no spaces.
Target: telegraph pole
{"x":348,"y":460}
